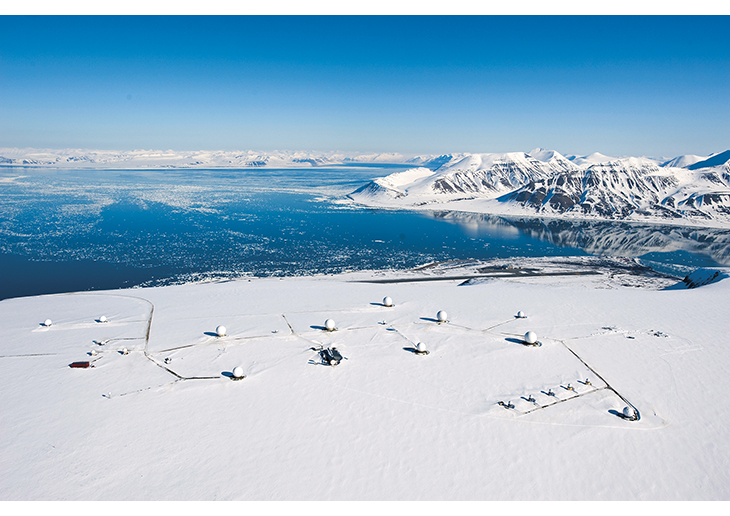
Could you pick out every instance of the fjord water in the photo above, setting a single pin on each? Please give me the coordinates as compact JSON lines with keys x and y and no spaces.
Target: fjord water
{"x":70,"y":230}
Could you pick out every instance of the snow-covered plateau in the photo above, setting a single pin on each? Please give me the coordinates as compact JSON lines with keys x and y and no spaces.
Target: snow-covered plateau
{"x":135,"y":394}
{"x":156,"y":159}
{"x":685,"y":190}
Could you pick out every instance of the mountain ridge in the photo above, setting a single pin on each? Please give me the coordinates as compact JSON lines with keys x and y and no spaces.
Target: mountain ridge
{"x":596,"y":186}
{"x":156,"y":158}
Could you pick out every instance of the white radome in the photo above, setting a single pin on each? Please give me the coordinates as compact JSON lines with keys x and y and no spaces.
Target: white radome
{"x":102,"y":318}
{"x":441,"y":316}
{"x":521,"y":314}
{"x":387,"y":301}
{"x":47,"y":322}
{"x":329,"y":325}
{"x":420,"y":347}
{"x":221,"y":331}
{"x":238,"y":372}
{"x":530,"y":337}
{"x":628,"y":413}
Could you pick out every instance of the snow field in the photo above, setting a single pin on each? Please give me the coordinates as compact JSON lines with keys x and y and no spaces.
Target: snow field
{"x":385,"y":424}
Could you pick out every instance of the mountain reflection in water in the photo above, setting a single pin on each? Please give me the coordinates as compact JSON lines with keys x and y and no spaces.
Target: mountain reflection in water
{"x":604,"y":238}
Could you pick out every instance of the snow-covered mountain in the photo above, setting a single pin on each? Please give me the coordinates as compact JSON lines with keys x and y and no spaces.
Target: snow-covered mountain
{"x":472,"y":174}
{"x":713,"y":161}
{"x":630,"y":187}
{"x":684,"y":161}
{"x":596,"y":157}
{"x":544,"y":182}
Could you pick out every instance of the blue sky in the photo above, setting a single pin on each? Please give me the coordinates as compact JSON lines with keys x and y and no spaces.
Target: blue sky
{"x":654,"y":86}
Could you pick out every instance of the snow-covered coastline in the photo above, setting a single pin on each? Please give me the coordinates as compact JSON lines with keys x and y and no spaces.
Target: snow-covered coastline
{"x":165,"y":420}
{"x":199,"y":159}
{"x":687,"y":190}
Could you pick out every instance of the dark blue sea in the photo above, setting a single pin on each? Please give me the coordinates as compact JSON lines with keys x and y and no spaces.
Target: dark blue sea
{"x":69,"y":230}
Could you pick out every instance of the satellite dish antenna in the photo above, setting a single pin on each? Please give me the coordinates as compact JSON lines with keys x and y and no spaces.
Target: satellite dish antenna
{"x":421,"y":349}
{"x":441,"y":316}
{"x":329,"y":325}
{"x":221,"y":331}
{"x":238,"y":373}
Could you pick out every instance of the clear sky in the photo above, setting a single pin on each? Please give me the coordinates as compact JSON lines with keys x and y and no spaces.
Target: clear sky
{"x":654,"y":86}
